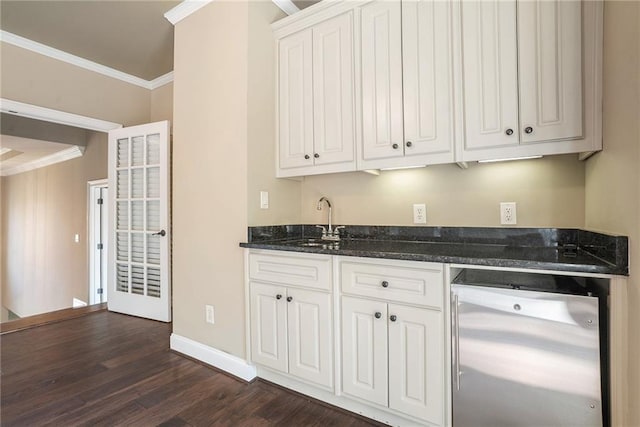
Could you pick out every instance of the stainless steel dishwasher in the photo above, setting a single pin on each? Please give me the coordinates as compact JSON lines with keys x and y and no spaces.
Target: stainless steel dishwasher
{"x":525,"y":351}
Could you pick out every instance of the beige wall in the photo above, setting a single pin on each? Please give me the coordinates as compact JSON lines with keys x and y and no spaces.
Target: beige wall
{"x":549,"y":192}
{"x":43,"y":268}
{"x":284,"y":194}
{"x":161,"y":103}
{"x":43,"y":81}
{"x":210,"y":174}
{"x":613,"y":176}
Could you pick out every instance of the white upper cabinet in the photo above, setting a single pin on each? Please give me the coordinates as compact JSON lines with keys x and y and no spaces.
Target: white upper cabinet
{"x":381,"y":74}
{"x":490,"y":73}
{"x":427,"y":64}
{"x":531,"y":73}
{"x":407,"y":83}
{"x":550,"y":67}
{"x":316,"y":100}
{"x":295,"y":102}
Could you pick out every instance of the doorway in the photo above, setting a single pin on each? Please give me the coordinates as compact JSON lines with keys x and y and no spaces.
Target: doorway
{"x":98,"y":240}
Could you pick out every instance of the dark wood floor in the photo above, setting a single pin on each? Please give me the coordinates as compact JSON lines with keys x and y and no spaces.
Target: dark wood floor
{"x":107,"y":369}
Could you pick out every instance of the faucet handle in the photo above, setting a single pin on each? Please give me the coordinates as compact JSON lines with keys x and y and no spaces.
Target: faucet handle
{"x":324,"y":229}
{"x":336,"y":230}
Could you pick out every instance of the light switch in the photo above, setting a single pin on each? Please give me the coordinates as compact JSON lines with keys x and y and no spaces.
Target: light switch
{"x":76,"y":238}
{"x":264,"y":200}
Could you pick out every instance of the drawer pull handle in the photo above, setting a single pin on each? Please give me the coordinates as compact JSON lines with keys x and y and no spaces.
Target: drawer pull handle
{"x":378,"y":315}
{"x":289,"y":299}
{"x":385,"y":284}
{"x":393,"y":317}
{"x":278,"y":296}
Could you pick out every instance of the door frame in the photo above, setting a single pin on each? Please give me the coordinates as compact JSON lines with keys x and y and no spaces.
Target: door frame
{"x":92,"y":241}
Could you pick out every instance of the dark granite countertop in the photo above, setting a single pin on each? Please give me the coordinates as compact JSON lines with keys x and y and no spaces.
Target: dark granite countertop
{"x":544,"y":249}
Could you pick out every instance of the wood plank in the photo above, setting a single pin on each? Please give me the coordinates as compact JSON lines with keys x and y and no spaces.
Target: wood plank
{"x":51,"y":317}
{"x":104,"y":369}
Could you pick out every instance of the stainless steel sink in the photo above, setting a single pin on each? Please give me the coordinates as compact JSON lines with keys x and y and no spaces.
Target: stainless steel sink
{"x":318,"y":243}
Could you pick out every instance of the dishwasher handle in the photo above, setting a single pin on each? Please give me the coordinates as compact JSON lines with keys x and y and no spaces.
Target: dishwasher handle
{"x":455,"y":338}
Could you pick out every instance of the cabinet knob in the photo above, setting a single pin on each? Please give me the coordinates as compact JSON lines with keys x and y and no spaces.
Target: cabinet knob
{"x":378,"y":315}
{"x":316,"y":155}
{"x":409,"y":143}
{"x":509,"y":132}
{"x":393,"y":317}
{"x":395,"y":146}
{"x":528,"y":129}
{"x":289,"y":299}
{"x":385,"y":284}
{"x":306,"y":157}
{"x":278,"y":296}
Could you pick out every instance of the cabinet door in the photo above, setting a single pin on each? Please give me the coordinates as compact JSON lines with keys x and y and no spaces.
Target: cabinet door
{"x":310,"y":338}
{"x":427,"y":76}
{"x":490,"y":73}
{"x":333,"y":91}
{"x":550,"y":59}
{"x":269,"y":326}
{"x":364,"y":350}
{"x":416,"y":358}
{"x":381,"y":72}
{"x":295,"y":102}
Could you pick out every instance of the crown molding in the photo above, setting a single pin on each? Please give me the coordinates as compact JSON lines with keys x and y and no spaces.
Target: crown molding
{"x":47,"y":114}
{"x":286,"y":6}
{"x":4,"y":150}
{"x":67,"y":154}
{"x":184,"y":9}
{"x":42,"y":49}
{"x":161,"y":81}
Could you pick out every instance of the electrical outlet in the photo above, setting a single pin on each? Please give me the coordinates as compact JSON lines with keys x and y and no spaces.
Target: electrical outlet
{"x":209,"y":314}
{"x":419,"y":213}
{"x":264,"y":200}
{"x":508,"y":213}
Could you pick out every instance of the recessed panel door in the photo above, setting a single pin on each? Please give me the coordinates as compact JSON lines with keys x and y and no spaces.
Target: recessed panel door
{"x":310,"y":338}
{"x":139,"y":267}
{"x":416,"y":358}
{"x":269,"y":325}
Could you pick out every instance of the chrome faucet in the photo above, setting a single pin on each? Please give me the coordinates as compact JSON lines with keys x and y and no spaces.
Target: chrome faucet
{"x":328,"y":233}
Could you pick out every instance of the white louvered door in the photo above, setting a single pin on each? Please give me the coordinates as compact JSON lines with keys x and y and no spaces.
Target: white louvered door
{"x":139,"y":268}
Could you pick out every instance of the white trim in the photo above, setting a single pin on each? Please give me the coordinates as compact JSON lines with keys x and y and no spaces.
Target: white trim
{"x":69,"y":58}
{"x":214,"y":357}
{"x":287,"y":6}
{"x":56,"y":116}
{"x":184,"y":9}
{"x":161,"y":81}
{"x":67,"y":154}
{"x":4,"y":150}
{"x":93,"y":240}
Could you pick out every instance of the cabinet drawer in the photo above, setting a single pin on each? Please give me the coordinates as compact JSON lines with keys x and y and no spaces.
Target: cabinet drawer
{"x":402,"y":281}
{"x":312,"y":271}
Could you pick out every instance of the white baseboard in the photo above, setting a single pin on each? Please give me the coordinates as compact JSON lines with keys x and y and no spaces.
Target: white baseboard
{"x":214,"y":357}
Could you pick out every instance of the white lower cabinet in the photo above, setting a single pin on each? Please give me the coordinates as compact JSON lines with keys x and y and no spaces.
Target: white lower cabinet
{"x":393,"y":355}
{"x":291,"y":332}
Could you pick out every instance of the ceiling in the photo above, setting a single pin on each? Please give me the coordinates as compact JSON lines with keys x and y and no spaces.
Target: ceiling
{"x":129,"y":36}
{"x":18,"y":151}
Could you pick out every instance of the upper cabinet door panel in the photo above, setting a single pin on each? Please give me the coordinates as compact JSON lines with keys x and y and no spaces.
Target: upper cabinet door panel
{"x":550,"y":66}
{"x":333,"y":90}
{"x":381,"y":71}
{"x":490,"y":73}
{"x":295,"y":102}
{"x":427,"y":76}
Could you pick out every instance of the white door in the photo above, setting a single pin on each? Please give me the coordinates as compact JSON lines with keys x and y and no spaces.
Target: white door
{"x":295,"y":102}
{"x":269,"y":325}
{"x":416,"y":357}
{"x":139,"y":275}
{"x":427,"y":60}
{"x":381,"y":71}
{"x":98,"y":241}
{"x":364,"y":350}
{"x":550,"y":59}
{"x":333,"y":91}
{"x":490,"y":73}
{"x":310,"y":338}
